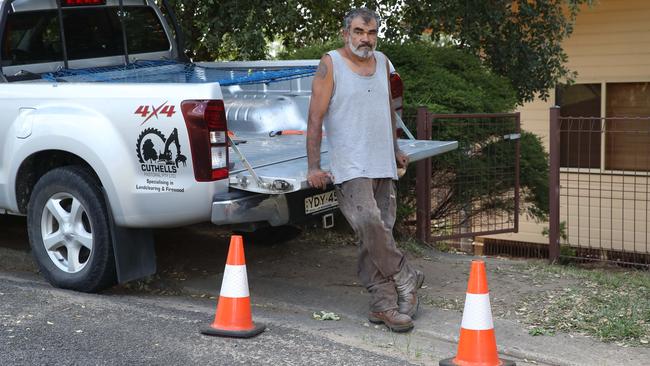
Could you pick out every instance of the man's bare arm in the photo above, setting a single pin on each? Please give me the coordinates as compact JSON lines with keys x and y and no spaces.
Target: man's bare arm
{"x":321,"y":93}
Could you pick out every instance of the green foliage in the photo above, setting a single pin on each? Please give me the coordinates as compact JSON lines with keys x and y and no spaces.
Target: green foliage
{"x":311,"y":52}
{"x":564,"y":236}
{"x":567,"y":253}
{"x":533,"y":176}
{"x":244,"y":29}
{"x":234,"y":29}
{"x":448,"y":80}
{"x":518,"y":39}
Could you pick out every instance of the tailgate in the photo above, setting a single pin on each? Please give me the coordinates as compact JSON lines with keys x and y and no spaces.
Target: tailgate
{"x":280,"y":162}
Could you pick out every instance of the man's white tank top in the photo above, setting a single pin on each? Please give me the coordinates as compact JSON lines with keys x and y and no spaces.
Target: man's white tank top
{"x":358,"y":123}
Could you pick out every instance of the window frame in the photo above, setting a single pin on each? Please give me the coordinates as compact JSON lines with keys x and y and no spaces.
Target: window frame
{"x":603,"y":138}
{"x":54,"y":66}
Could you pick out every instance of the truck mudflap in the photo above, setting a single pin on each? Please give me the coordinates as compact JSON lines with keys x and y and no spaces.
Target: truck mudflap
{"x":278,"y":165}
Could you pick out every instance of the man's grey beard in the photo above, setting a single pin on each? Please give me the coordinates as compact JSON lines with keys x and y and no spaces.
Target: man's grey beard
{"x":363,"y":53}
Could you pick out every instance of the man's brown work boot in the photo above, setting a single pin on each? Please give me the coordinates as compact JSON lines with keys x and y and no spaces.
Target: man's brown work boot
{"x":393,"y":319}
{"x":407,"y":297}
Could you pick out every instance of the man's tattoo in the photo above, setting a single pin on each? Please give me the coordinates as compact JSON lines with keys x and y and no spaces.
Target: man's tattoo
{"x":321,"y":72}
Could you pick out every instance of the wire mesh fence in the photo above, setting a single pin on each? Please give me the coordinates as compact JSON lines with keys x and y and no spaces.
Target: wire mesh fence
{"x":600,"y":189}
{"x":473,"y":190}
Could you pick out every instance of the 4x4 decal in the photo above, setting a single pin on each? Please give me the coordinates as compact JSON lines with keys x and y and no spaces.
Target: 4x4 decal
{"x":163,"y":109}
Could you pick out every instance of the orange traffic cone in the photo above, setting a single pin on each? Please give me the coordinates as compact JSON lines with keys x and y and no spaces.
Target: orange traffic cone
{"x":477,"y":345}
{"x":233,"y":317}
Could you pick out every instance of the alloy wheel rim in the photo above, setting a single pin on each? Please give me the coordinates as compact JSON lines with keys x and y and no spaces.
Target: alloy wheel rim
{"x":66,"y":232}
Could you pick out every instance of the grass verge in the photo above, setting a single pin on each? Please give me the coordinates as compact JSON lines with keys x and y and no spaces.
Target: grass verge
{"x":606,"y":303}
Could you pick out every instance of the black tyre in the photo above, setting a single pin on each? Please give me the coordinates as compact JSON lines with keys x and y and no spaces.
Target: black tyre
{"x":69,"y":231}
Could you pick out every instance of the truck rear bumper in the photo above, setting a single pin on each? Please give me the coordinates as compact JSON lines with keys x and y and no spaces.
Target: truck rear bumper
{"x":243,"y":207}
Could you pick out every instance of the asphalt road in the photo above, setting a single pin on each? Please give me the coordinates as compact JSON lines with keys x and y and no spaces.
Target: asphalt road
{"x":42,"y":325}
{"x":134,"y":324}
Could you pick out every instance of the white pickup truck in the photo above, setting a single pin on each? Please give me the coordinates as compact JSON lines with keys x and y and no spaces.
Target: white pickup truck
{"x":108,"y":131}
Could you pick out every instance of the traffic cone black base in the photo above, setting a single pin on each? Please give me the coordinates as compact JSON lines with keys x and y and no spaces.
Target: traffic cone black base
{"x":258,"y":328}
{"x":450,"y":362}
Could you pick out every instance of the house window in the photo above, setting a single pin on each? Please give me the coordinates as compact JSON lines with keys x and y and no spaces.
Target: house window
{"x":580,"y":137}
{"x":627,"y":141}
{"x":622,"y":136}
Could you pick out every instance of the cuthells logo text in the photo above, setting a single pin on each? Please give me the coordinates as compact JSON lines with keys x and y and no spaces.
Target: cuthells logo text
{"x":155,"y":155}
{"x":162,"y":110}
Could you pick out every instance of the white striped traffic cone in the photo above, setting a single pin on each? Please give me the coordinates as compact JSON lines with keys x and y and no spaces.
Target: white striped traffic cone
{"x":233,"y":316}
{"x":477,"y":345}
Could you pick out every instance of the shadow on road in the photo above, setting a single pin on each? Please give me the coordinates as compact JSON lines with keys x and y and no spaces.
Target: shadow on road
{"x":201,"y":247}
{"x":13,"y":232}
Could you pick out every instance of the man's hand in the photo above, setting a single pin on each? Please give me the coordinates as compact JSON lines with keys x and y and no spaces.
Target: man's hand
{"x":401,"y":159}
{"x":318,"y":178}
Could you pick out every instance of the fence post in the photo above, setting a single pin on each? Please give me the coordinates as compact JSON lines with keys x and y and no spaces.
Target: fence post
{"x":423,"y":181}
{"x":517,"y":171}
{"x":554,"y":186}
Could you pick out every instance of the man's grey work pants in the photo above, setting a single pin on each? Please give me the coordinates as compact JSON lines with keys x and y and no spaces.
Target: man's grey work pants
{"x":369,"y":205}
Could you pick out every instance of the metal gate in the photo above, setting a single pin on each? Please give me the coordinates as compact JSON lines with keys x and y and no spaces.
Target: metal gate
{"x":473,"y":190}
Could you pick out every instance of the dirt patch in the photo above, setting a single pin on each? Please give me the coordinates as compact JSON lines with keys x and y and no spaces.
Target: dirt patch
{"x":328,"y":258}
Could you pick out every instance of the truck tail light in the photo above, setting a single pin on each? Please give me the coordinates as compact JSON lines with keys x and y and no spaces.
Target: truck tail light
{"x":208,"y":130}
{"x":397,"y":92}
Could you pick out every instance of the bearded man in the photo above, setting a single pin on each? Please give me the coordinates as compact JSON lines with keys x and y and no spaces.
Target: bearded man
{"x":351,"y":98}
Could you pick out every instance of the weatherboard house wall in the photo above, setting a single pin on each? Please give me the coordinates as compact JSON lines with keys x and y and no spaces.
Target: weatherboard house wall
{"x":610,"y":46}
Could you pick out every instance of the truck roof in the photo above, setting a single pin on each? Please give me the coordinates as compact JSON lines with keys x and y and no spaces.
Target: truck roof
{"x":31,"y":5}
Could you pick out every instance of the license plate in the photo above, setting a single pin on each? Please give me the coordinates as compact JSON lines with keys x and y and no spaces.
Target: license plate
{"x":319,"y":202}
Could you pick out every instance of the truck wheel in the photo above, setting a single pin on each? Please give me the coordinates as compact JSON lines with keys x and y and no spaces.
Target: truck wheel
{"x":69,"y":231}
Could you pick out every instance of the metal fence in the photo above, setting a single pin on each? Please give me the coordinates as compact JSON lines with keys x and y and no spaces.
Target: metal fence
{"x":599,"y":189}
{"x":473,"y":190}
